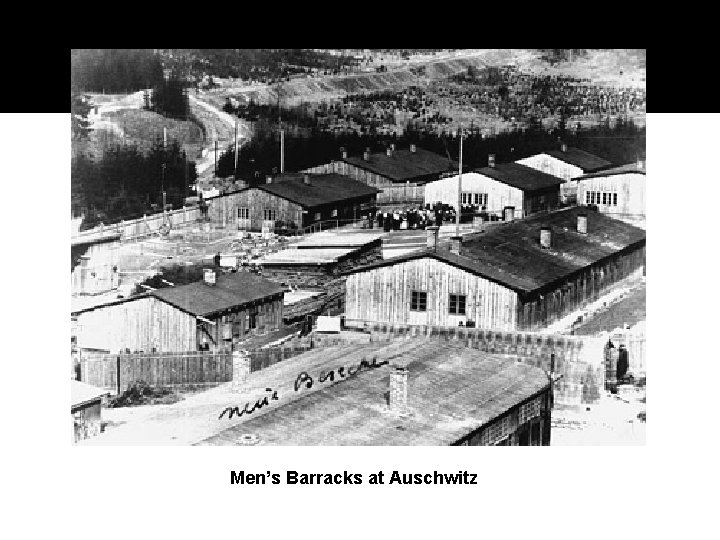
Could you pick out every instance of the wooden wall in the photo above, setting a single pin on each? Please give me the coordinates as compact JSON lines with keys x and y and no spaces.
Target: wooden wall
{"x":575,"y":293}
{"x":384,"y":295}
{"x":234,"y":326}
{"x":138,"y":325}
{"x":391,"y":191}
{"x":224,"y":210}
{"x":356,"y":173}
{"x":500,"y":195}
{"x":630,"y":189}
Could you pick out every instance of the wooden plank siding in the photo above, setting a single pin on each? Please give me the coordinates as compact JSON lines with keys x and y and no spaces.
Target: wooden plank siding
{"x":630,"y":189}
{"x":223,"y":210}
{"x":139,"y":325}
{"x":584,"y":287}
{"x":499,"y":195}
{"x":384,"y":295}
{"x":234,"y":326}
{"x":390,"y":191}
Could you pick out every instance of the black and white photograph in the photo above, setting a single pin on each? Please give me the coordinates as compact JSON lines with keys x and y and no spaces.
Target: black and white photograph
{"x":358,"y":247}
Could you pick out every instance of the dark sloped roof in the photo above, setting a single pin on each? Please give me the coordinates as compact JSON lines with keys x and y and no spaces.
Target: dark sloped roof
{"x":323,"y":189}
{"x":622,"y":169}
{"x":404,"y":165}
{"x":520,"y":176}
{"x":580,"y":158}
{"x":452,"y":392}
{"x":230,"y":290}
{"x":510,"y":254}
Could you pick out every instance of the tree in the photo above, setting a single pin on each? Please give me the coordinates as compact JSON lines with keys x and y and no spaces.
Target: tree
{"x":79,"y":109}
{"x":170,"y":99}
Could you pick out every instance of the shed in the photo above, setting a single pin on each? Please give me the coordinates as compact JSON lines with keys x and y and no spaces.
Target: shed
{"x":86,"y":409}
{"x":294,"y":201}
{"x":505,"y":185}
{"x":210,"y":314}
{"x":524,"y":274}
{"x":619,"y":191}
{"x":566,"y":163}
{"x":421,"y":394}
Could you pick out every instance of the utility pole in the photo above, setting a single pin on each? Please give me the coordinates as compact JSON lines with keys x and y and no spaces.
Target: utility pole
{"x":236,"y":146}
{"x":163,"y":186}
{"x":282,"y":151}
{"x":282,"y":135}
{"x":459,"y":207}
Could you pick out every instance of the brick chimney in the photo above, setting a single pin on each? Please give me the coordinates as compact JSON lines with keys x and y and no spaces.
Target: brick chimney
{"x":343,"y":153}
{"x":432,"y":236}
{"x":582,"y":223}
{"x":209,"y":277}
{"x":545,"y":237}
{"x":509,"y":213}
{"x":491,"y":160}
{"x":413,"y":148}
{"x":398,"y":389}
{"x":306,"y":179}
{"x":366,"y":154}
{"x":456,"y":244}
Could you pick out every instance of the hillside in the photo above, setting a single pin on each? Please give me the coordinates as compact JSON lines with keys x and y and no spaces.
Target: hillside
{"x":619,"y":68}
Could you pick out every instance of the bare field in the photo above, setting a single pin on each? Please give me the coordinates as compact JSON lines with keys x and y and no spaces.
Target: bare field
{"x":143,"y":128}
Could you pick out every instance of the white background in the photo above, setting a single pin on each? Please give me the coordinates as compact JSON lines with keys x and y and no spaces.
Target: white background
{"x":666,"y":489}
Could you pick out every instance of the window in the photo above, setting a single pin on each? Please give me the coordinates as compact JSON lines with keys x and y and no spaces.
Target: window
{"x":587,"y":197}
{"x":457,"y":304}
{"x":317,"y":216}
{"x":334,"y":213}
{"x":614,"y":199}
{"x":269,"y":215}
{"x":418,"y":301}
{"x":604,"y":198}
{"x":243,"y":213}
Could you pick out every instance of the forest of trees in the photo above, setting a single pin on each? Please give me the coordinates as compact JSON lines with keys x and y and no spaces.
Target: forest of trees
{"x":125,"y":183}
{"x":169,"y":98}
{"x":114,"y":70}
{"x":258,"y":64}
{"x":622,"y":143}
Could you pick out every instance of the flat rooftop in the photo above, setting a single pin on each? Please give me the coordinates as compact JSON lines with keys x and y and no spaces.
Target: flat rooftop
{"x":338,"y":239}
{"x":452,"y":391}
{"x":304,"y":256}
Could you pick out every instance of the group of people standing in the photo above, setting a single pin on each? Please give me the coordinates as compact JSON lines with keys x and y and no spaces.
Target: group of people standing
{"x":420,"y":217}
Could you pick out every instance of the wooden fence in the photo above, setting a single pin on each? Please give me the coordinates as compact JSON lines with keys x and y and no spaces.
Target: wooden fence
{"x":179,"y":369}
{"x":144,"y":226}
{"x":264,"y":358}
{"x":119,"y":371}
